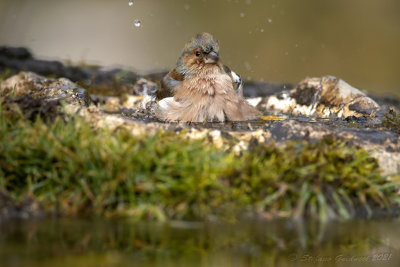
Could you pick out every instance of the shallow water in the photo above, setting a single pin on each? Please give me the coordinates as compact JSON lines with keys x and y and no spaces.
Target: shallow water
{"x":270,"y":40}
{"x":100,"y":242}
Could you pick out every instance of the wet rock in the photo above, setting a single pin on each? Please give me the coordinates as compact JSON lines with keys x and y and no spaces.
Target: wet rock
{"x":15,"y":53}
{"x":254,"y":101}
{"x":31,"y":108}
{"x":136,"y":114}
{"x":144,"y":87}
{"x":44,"y":92}
{"x":112,"y":105}
{"x":324,"y":97}
{"x":36,"y":86}
{"x":263,"y":89}
{"x":16,"y":59}
{"x":133,"y":101}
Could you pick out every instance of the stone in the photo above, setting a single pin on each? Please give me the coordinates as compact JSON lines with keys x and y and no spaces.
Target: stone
{"x":36,"y":86}
{"x":324,"y":97}
{"x":16,"y":59}
{"x":144,"y":87}
{"x":327,"y":96}
{"x":112,"y":104}
{"x":133,"y":101}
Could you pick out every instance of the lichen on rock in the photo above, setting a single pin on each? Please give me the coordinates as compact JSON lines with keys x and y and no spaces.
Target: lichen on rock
{"x":29,"y":83}
{"x":324,"y":97}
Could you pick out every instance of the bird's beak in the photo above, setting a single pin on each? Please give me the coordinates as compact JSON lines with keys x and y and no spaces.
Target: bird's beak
{"x":212,"y":57}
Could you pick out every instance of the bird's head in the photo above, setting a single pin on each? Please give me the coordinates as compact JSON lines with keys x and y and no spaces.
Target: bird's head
{"x":200,"y":51}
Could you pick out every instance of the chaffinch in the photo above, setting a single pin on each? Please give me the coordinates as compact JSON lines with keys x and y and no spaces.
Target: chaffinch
{"x":201,"y":89}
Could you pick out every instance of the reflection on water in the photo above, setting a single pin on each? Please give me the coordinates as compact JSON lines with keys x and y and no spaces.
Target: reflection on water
{"x":72,"y":242}
{"x":270,"y":40}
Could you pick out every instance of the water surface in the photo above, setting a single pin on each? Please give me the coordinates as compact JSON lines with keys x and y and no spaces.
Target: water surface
{"x":100,"y":242}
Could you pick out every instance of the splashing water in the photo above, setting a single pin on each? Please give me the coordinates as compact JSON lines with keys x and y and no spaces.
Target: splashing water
{"x":137,"y":23}
{"x":130,"y":3}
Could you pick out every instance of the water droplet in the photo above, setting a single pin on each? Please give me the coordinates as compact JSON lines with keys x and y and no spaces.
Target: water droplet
{"x":269,"y":20}
{"x":286,"y":53}
{"x":130,"y":3}
{"x":248,"y":2}
{"x":247,"y":65}
{"x":261,"y":30}
{"x":137,"y":23}
{"x":241,"y":14}
{"x":186,"y":6}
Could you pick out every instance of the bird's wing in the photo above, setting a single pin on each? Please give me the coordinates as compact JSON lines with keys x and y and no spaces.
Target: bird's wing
{"x":168,"y":83}
{"x":236,"y":80}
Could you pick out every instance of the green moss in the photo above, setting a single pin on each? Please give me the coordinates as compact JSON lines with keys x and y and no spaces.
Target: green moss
{"x":70,"y":167}
{"x":354,"y":124}
{"x":5,"y":74}
{"x":392,"y":120}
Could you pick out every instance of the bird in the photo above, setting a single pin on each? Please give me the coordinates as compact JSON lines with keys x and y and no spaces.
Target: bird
{"x":200,"y":88}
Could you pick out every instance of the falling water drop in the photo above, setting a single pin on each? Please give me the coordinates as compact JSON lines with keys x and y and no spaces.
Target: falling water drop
{"x":241,"y":14}
{"x":261,"y":30}
{"x":130,"y":3}
{"x":137,"y":23}
{"x":269,"y":20}
{"x":247,"y":65}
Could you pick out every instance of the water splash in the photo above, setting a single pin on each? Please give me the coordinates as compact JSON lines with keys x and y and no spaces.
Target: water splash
{"x":137,"y":23}
{"x":247,"y":65}
{"x":269,"y":20}
{"x":130,"y":3}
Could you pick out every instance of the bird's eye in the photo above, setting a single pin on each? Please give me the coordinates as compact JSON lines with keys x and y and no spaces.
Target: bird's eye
{"x":198,"y":54}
